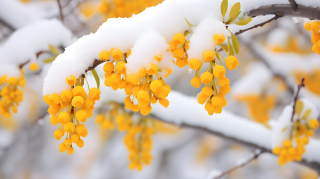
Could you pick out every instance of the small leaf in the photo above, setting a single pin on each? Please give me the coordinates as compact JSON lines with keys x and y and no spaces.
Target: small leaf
{"x":230,"y":48}
{"x":235,"y":43}
{"x":299,"y":106}
{"x":224,"y":8}
{"x":244,"y":20}
{"x":234,"y":12}
{"x":54,"y":50}
{"x":186,"y":33}
{"x":306,"y":114}
{"x":49,"y":60}
{"x":284,"y":129}
{"x":189,"y":24}
{"x":267,"y":125}
{"x":235,"y":17}
{"x":224,"y":47}
{"x":96,"y":77}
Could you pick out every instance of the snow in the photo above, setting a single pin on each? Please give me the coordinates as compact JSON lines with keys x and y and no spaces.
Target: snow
{"x":29,"y":40}
{"x":166,"y":20}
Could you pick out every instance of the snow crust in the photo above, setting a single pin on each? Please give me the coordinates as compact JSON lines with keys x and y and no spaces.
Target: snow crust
{"x":26,"y":42}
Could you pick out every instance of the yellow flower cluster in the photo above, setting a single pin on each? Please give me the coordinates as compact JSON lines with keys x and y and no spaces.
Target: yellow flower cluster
{"x":124,"y":8}
{"x":138,"y":137}
{"x":292,"y":45}
{"x":140,"y":86}
{"x":302,"y":129}
{"x":315,"y":38}
{"x":259,"y":106}
{"x":10,"y":95}
{"x":216,"y":84}
{"x":70,"y":109}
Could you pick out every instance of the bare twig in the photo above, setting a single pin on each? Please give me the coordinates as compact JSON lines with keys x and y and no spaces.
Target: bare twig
{"x":255,"y":156}
{"x":296,"y":98}
{"x":60,"y":9}
{"x":95,"y":64}
{"x":294,"y":5}
{"x":286,"y":10}
{"x":4,"y":23}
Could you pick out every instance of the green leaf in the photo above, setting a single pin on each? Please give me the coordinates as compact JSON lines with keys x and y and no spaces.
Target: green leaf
{"x":230,"y":48}
{"x":54,"y":50}
{"x":299,"y":107}
{"x":49,"y":60}
{"x":186,"y":33}
{"x":235,"y":43}
{"x":189,"y":24}
{"x":224,"y":8}
{"x":224,"y":47}
{"x":235,"y":17}
{"x":234,"y":12}
{"x":244,"y":20}
{"x":96,"y":77}
{"x":306,"y":114}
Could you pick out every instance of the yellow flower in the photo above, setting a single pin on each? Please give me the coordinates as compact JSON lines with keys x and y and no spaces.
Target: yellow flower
{"x":182,"y":62}
{"x":207,"y":91}
{"x":219,"y":71}
{"x":75,"y":138}
{"x":108,"y":67}
{"x":82,"y":130}
{"x":70,"y":150}
{"x":314,"y":123}
{"x":58,"y":134}
{"x":88,"y":104}
{"x":115,"y":78}
{"x":94,"y":94}
{"x":122,"y":84}
{"x":152,"y":69}
{"x":164,"y":102}
{"x":62,"y":147}
{"x":66,"y":95}
{"x":77,"y":101}
{"x":54,"y":99}
{"x":217,"y":100}
{"x":71,"y":80}
{"x":219,"y":38}
{"x":155,"y":85}
{"x":80,"y":143}
{"x":121,"y":67}
{"x":67,"y":142}
{"x":54,"y":120}
{"x":33,"y":66}
{"x":145,"y":111}
{"x":202,"y":98}
{"x":224,"y":81}
{"x":208,"y":55}
{"x":206,"y":78}
{"x":104,"y":55}
{"x":81,"y":115}
{"x":196,"y":82}
{"x":79,"y":91}
{"x":69,"y":127}
{"x":54,"y":109}
{"x":158,"y":58}
{"x":100,"y":118}
{"x":194,"y":64}
{"x":307,"y":26}
{"x":231,"y":62}
{"x":178,"y":53}
{"x":116,"y":54}
{"x":224,"y":90}
{"x":179,"y":39}
{"x":64,"y":117}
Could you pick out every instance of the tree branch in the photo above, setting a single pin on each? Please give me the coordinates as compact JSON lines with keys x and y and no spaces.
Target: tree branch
{"x":296,"y":98}
{"x":294,"y":5}
{"x":254,"y":157}
{"x":95,"y":64}
{"x":286,"y":10}
{"x":60,"y":10}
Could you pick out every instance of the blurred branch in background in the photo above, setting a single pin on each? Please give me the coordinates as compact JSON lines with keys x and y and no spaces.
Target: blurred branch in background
{"x":294,"y":5}
{"x":60,"y":10}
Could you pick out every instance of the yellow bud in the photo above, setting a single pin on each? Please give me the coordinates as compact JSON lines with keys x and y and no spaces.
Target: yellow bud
{"x":206,"y":77}
{"x":208,"y":55}
{"x":231,"y":62}
{"x":196,"y":82}
{"x":71,"y":80}
{"x":104,"y":55}
{"x":33,"y":66}
{"x":194,"y":64}
{"x":70,"y":150}
{"x":219,"y":38}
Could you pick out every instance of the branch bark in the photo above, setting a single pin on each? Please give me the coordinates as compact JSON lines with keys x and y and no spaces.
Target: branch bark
{"x":60,"y":10}
{"x":294,"y":5}
{"x":286,"y":10}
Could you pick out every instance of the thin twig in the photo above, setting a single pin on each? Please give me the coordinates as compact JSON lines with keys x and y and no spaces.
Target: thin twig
{"x":60,"y":9}
{"x":255,"y":156}
{"x":294,"y":5}
{"x":296,"y":98}
{"x":95,"y":64}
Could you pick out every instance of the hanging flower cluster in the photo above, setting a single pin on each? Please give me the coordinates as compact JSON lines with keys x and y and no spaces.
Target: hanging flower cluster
{"x":70,"y":110}
{"x":138,"y":133}
{"x":315,"y":38}
{"x":141,"y":86}
{"x":10,"y":94}
{"x":303,"y":128}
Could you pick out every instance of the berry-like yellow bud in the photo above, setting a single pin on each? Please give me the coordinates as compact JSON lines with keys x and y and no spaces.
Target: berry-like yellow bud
{"x":58,"y":134}
{"x":224,"y":81}
{"x":208,"y":55}
{"x":80,"y":143}
{"x":314,"y":123}
{"x":115,"y":78}
{"x":54,"y":120}
{"x":121,"y":67}
{"x":33,"y":66}
{"x":196,"y":82}
{"x":69,"y":127}
{"x":231,"y":62}
{"x":152,"y":69}
{"x":155,"y":85}
{"x":122,"y":84}
{"x":307,"y":26}
{"x":217,"y":100}
{"x":206,"y":77}
{"x":54,"y":99}
{"x":75,"y":138}
{"x":202,"y":98}
{"x":79,"y":91}
{"x":194,"y":64}
{"x":182,"y":62}
{"x":67,"y":142}
{"x":219,"y":71}
{"x":158,"y":58}
{"x":104,"y":55}
{"x":54,"y":109}
{"x":164,"y":102}
{"x":62,"y":147}
{"x":219,"y":38}
{"x":116,"y":54}
{"x":179,"y":39}
{"x":70,"y":150}
{"x":82,"y":130}
{"x":178,"y":53}
{"x":108,"y":67}
{"x":207,"y":91}
{"x":64,"y":117}
{"x":224,"y":90}
{"x":66,"y":95}
{"x":94,"y":94}
{"x":77,"y":101}
{"x":100,"y":118}
{"x":71,"y":80}
{"x":81,"y":115}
